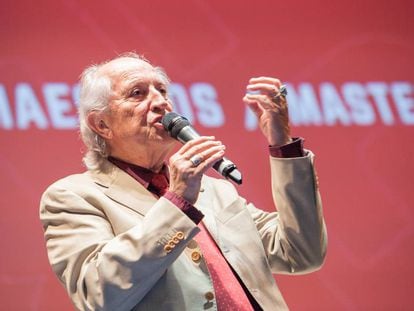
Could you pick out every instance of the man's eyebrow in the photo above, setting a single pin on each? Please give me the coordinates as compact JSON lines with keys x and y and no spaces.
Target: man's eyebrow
{"x":130,"y":84}
{"x":136,"y":80}
{"x":132,"y":81}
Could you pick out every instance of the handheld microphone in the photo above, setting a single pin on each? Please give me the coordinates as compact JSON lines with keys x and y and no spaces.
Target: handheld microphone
{"x":180,"y":128}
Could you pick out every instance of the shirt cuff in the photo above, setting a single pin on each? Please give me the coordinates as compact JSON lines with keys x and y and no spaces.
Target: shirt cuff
{"x":186,"y":207}
{"x":293,"y":149}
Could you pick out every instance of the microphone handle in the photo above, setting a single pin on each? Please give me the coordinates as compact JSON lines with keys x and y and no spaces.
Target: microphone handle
{"x":186,"y":134}
{"x":229,"y":170}
{"x":224,"y":166}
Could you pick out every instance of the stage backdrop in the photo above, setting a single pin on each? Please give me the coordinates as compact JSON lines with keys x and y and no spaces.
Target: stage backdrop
{"x":349,"y":70}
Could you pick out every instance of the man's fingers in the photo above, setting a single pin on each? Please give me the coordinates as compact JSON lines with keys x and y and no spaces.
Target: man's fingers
{"x":197,"y":155}
{"x":208,"y":161}
{"x":200,"y":148}
{"x":263,"y":101}
{"x":190,"y":144}
{"x":266,"y":80}
{"x":254,"y":106}
{"x":210,"y":156}
{"x":266,"y":88}
{"x":207,"y":158}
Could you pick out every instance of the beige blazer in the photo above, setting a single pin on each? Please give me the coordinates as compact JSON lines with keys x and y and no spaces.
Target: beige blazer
{"x":114,"y":246}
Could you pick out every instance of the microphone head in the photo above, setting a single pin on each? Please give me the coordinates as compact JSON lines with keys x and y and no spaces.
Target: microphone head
{"x":173,"y":123}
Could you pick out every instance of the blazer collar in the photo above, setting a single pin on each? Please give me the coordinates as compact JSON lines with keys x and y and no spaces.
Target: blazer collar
{"x":123,"y":188}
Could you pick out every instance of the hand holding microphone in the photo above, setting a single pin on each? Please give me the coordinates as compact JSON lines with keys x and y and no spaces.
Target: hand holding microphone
{"x":180,"y":128}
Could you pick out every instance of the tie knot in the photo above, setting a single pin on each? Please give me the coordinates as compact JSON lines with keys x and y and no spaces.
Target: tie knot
{"x":159,"y":183}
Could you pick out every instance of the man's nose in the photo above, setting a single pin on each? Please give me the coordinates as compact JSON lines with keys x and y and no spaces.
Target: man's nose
{"x":158,"y":99}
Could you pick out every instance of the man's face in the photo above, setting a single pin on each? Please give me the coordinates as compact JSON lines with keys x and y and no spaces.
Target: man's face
{"x":138,"y":102}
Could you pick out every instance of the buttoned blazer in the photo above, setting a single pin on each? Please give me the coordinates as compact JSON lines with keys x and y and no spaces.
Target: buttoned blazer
{"x":114,"y":246}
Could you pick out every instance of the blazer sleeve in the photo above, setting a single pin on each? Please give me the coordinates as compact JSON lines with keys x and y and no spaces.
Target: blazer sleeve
{"x":295,"y":237}
{"x":102,"y":271}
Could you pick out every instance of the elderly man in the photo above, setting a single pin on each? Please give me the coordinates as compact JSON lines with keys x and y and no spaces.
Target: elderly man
{"x":136,"y":233}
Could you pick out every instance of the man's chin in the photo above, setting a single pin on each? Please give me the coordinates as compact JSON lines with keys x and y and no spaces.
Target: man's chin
{"x":164,"y":137}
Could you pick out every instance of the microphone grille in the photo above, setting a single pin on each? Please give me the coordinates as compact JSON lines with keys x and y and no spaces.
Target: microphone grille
{"x":174,"y":123}
{"x":168,"y":118}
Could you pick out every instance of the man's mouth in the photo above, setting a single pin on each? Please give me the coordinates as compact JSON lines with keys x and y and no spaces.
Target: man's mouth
{"x":157,"y":123}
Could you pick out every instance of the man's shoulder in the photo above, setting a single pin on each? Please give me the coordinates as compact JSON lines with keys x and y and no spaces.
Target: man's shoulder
{"x":72,"y":188}
{"x":90,"y":177}
{"x":79,"y":183}
{"x":73,"y":179}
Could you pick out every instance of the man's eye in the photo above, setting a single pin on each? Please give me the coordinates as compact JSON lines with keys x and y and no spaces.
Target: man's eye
{"x":163,"y":91}
{"x":136,"y":92}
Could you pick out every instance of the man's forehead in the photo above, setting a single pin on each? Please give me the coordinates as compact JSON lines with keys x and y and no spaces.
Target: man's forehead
{"x":126,"y":65}
{"x":125,"y":72}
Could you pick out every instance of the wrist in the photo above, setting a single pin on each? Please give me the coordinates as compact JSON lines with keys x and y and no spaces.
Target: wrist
{"x":279,"y":140}
{"x":279,"y":135}
{"x":185,"y":206}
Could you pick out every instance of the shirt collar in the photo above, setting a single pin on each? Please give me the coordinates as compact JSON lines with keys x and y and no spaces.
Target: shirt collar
{"x":139,"y":173}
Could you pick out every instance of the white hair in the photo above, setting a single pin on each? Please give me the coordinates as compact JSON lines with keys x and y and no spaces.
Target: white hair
{"x":95,"y":94}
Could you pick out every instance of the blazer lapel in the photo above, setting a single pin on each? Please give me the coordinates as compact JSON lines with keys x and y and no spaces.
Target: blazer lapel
{"x":206,"y":204}
{"x":209,"y":204}
{"x":124,"y":189}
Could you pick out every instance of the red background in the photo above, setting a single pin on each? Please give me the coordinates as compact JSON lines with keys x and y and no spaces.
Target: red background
{"x":365,"y":172}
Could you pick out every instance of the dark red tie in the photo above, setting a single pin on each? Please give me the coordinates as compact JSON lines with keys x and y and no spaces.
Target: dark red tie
{"x":229,"y":292}
{"x":159,"y":184}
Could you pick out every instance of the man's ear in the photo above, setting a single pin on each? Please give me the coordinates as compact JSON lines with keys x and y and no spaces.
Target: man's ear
{"x":98,"y":124}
